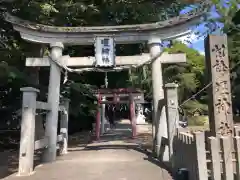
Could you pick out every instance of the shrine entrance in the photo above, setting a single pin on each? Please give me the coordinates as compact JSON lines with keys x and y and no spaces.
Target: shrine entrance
{"x":104,"y":39}
{"x":112,"y":98}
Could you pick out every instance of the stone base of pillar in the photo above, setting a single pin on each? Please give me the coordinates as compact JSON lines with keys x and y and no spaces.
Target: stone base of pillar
{"x":162,"y":153}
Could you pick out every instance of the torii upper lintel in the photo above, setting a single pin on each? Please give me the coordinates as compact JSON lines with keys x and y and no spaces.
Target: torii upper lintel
{"x":124,"y":34}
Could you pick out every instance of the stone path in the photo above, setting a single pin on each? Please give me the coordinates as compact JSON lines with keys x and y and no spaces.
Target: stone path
{"x":116,"y":157}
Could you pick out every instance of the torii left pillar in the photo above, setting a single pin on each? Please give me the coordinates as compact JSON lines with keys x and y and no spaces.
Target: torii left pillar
{"x":53,"y":99}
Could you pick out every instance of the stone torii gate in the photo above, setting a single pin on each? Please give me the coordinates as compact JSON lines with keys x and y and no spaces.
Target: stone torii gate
{"x":85,"y":62}
{"x":57,"y":37}
{"x":123,"y":60}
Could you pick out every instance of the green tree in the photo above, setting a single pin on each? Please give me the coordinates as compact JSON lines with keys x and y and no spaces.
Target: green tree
{"x":229,"y":16}
{"x":189,"y":75}
{"x":234,"y":54}
{"x":69,"y":13}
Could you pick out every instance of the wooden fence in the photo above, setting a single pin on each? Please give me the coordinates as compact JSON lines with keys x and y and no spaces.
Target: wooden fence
{"x":213,"y":158}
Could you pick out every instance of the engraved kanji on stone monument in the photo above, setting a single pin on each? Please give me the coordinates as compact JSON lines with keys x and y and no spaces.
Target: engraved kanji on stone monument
{"x":104,"y":52}
{"x":220,"y":65}
{"x":220,"y":104}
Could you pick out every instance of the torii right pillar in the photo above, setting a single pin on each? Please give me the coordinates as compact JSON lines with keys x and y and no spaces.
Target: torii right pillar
{"x":159,"y":114}
{"x":160,"y":133}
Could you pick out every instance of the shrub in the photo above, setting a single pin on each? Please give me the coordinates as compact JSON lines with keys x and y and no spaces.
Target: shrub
{"x":197,"y":120}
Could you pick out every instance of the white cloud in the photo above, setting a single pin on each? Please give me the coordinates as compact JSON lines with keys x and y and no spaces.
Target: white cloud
{"x":194,"y":41}
{"x":190,"y":39}
{"x":202,"y":53}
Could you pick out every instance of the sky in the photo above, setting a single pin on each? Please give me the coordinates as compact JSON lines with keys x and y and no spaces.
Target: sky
{"x":196,"y":41}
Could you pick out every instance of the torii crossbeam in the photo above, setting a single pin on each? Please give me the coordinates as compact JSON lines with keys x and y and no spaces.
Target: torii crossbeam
{"x":120,"y":60}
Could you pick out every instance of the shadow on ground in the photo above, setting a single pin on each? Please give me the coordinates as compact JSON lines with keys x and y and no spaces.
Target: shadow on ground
{"x":9,"y":153}
{"x":119,"y":138}
{"x":9,"y":143}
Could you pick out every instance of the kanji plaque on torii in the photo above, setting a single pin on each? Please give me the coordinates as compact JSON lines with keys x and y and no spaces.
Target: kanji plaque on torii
{"x":220,"y":104}
{"x":104,"y":51}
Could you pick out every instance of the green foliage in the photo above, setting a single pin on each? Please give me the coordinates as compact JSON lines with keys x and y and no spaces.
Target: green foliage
{"x":229,"y":16}
{"x":193,"y":106}
{"x":226,"y":10}
{"x":188,"y":75}
{"x":141,"y":78}
{"x":96,"y":12}
{"x":234,"y":54}
{"x":14,"y":74}
{"x":197,"y":120}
